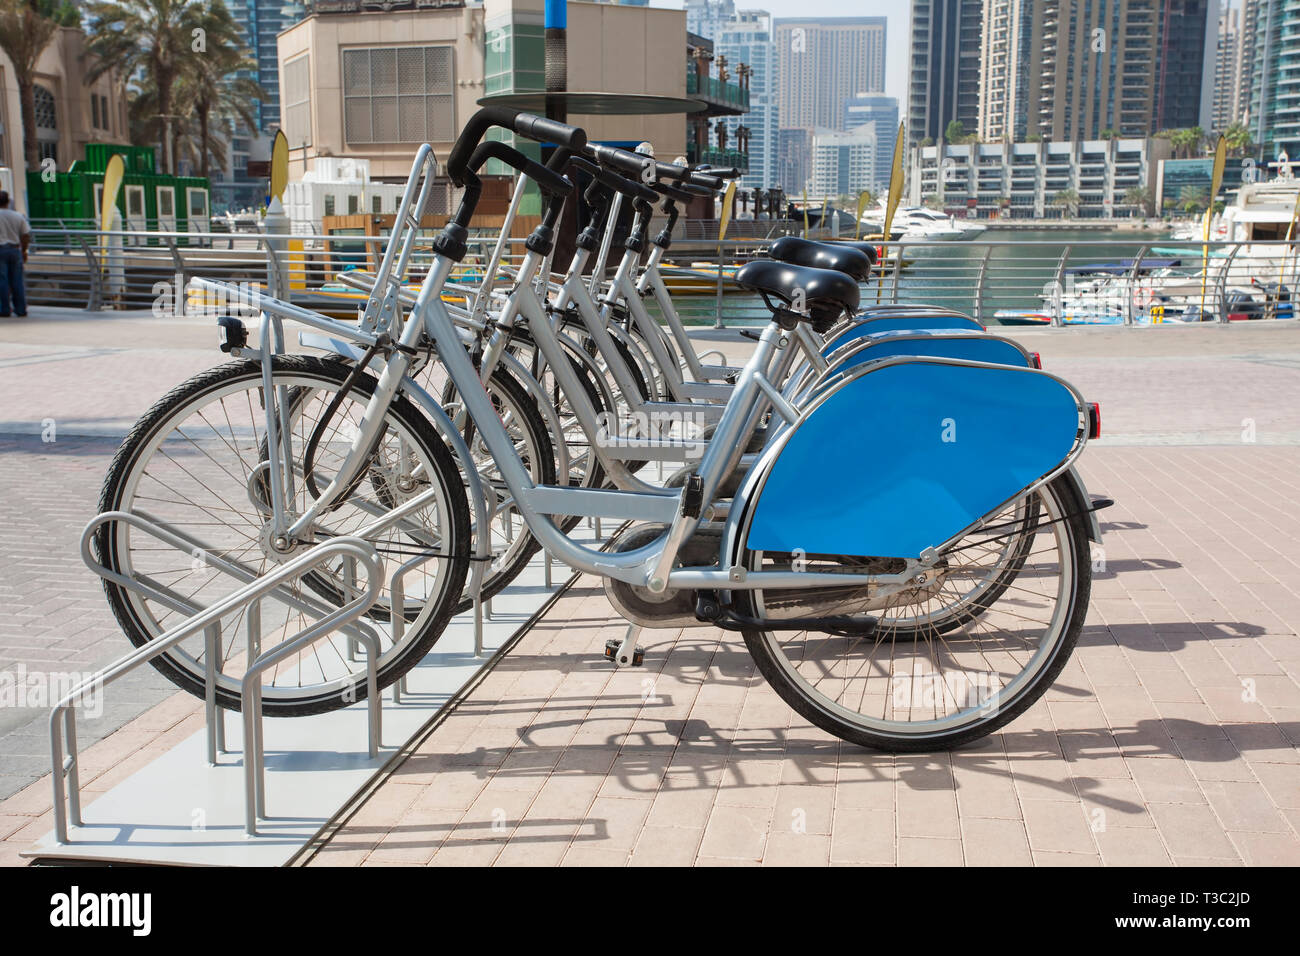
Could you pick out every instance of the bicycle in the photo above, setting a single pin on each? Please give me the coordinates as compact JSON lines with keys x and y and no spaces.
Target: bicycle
{"x":783,"y":566}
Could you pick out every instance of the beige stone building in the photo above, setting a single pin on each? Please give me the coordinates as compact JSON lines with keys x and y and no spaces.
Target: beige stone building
{"x":375,"y":85}
{"x":625,"y":49}
{"x":69,"y":113}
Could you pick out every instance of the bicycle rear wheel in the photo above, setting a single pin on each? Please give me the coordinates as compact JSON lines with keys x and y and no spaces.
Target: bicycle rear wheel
{"x":926,"y":678}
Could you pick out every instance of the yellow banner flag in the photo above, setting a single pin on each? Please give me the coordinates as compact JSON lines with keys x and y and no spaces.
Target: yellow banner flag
{"x":864,"y":198}
{"x":728,"y":202}
{"x":895,"y":196}
{"x":895,"y":183}
{"x":113,"y":174}
{"x":1216,"y":180}
{"x":279,"y":165}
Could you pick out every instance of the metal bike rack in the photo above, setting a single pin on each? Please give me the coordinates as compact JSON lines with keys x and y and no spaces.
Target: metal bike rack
{"x":207,"y":619}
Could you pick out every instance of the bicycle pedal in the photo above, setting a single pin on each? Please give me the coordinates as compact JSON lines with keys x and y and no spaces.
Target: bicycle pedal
{"x":611,"y":653}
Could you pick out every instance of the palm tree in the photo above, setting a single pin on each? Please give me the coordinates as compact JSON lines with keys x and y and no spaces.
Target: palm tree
{"x":1068,"y":201}
{"x":26,"y":29}
{"x":1193,"y":198}
{"x":1238,"y":138}
{"x":211,"y":88}
{"x":1140,"y":197}
{"x":151,"y":38}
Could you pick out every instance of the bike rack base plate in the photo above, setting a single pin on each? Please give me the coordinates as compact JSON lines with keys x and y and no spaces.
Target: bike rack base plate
{"x":179,"y":810}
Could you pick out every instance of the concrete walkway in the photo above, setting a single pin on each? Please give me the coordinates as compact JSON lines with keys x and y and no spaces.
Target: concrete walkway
{"x":1171,"y":737}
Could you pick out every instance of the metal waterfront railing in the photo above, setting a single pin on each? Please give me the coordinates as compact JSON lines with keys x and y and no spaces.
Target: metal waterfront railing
{"x":1062,"y":281}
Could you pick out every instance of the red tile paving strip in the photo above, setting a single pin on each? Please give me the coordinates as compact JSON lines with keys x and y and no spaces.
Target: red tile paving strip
{"x":1171,"y":737}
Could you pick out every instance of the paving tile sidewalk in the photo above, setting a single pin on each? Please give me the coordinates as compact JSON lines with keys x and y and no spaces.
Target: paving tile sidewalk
{"x":1170,"y":738}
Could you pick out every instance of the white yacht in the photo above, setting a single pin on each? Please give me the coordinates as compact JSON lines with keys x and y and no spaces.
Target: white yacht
{"x":919,"y":224}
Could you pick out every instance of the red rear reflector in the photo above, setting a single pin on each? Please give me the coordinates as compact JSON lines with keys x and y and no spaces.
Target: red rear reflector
{"x":1035,"y":360}
{"x":1094,"y":420}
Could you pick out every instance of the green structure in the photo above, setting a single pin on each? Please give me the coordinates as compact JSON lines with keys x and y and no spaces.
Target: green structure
{"x":148,"y":200}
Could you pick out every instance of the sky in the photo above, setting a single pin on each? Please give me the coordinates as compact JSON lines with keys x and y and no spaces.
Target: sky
{"x":896,"y":46}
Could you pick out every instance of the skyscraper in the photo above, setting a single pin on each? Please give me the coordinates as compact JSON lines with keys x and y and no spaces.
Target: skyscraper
{"x":1275,"y":87}
{"x":1234,"y":54}
{"x":745,"y":36}
{"x":262,"y":21}
{"x":821,"y":63}
{"x":944,"y":81}
{"x":844,"y":164}
{"x":1079,"y":69}
{"x":1227,"y":66}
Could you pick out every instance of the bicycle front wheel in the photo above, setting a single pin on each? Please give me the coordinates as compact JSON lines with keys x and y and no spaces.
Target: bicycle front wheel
{"x":196,"y":462}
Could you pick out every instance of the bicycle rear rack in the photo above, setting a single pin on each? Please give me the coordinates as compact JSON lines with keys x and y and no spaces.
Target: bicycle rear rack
{"x":207,"y":620}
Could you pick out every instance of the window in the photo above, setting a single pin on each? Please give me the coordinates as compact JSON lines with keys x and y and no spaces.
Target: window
{"x":94,"y":111}
{"x":47,"y":123}
{"x":297,"y":102}
{"x":354,"y":204}
{"x":399,"y":95}
{"x":329,"y":204}
{"x":166,"y":202}
{"x":135,"y":205}
{"x":196,"y":201}
{"x":45,"y":113}
{"x":103,"y":112}
{"x":376,"y":204}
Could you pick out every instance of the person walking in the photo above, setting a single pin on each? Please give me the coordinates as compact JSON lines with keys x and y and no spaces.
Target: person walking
{"x":15,"y":236}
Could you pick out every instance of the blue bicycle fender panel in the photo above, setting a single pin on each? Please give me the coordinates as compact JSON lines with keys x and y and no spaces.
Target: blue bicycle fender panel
{"x":971,"y":348}
{"x":901,"y":323}
{"x":905,"y":456}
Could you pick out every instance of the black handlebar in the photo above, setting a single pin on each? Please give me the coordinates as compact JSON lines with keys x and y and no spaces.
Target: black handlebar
{"x":525,"y":124}
{"x":612,"y":180}
{"x":647,"y":169}
{"x":683,"y":192}
{"x":549,"y":180}
{"x":721,"y":172}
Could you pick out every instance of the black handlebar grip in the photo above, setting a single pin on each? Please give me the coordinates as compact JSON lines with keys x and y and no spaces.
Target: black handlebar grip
{"x":630,"y":164}
{"x":722,"y":172}
{"x":671,"y":171}
{"x":545,"y":130}
{"x":707,"y":180}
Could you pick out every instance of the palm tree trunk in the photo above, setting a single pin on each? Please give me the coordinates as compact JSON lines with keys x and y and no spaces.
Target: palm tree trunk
{"x":202,"y":113}
{"x":164,"y":84}
{"x":27,"y":99}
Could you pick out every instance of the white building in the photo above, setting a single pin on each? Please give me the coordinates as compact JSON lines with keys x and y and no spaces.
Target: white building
{"x":337,"y":186}
{"x":882,"y":113}
{"x":843,"y":164}
{"x":1036,"y":180}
